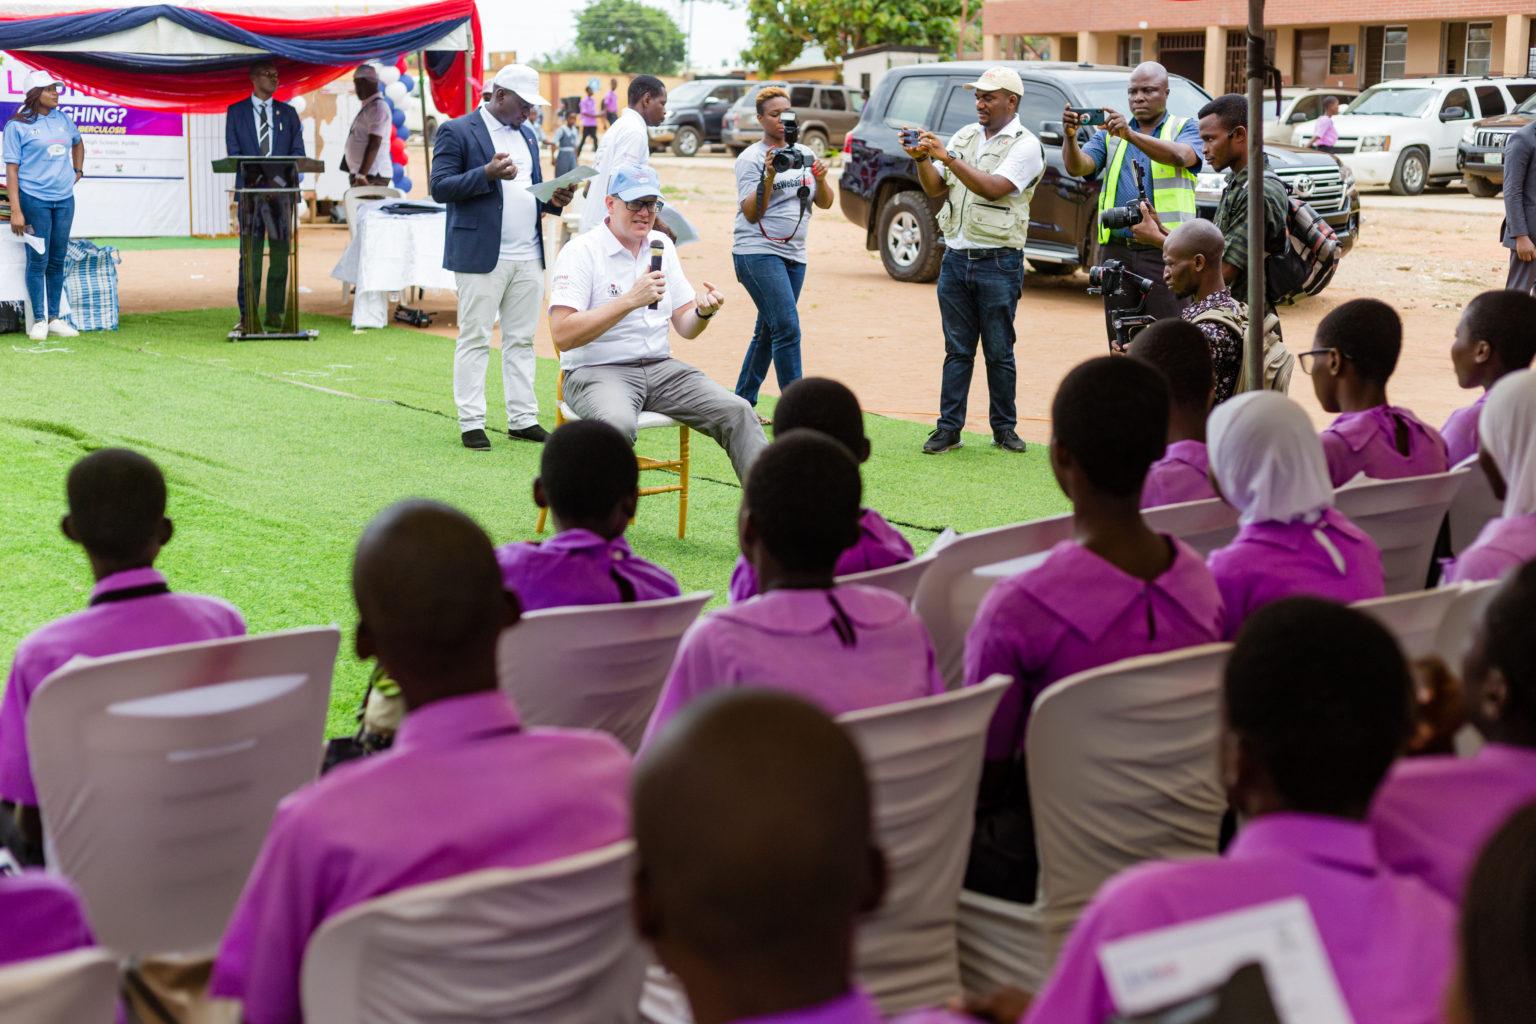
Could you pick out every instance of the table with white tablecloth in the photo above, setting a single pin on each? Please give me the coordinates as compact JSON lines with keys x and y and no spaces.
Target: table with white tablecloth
{"x":390,"y":252}
{"x":13,"y":274}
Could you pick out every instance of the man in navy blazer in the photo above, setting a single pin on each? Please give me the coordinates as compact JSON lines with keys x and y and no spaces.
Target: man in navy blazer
{"x":482,"y":165}
{"x":263,"y":126}
{"x":1520,"y":209}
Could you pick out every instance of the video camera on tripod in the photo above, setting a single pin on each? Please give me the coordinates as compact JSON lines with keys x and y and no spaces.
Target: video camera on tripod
{"x":1112,"y":279}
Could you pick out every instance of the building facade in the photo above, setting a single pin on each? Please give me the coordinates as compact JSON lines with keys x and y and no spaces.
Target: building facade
{"x":1338,"y":43}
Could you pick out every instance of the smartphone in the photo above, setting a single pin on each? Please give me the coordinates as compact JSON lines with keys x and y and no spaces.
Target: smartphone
{"x":910,"y":137}
{"x":1088,"y":115}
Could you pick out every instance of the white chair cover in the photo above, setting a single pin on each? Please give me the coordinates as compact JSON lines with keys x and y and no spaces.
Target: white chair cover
{"x":594,"y":667}
{"x":1403,"y":517}
{"x":1204,"y":525}
{"x":898,"y":579}
{"x":1414,"y":619}
{"x":1472,"y":507}
{"x":1122,"y":769}
{"x":158,"y":772}
{"x":1454,"y":634}
{"x":78,"y":987}
{"x":551,"y":943}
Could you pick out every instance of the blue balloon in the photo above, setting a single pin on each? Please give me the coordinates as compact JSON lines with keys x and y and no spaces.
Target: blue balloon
{"x":402,"y":132}
{"x":398,"y":117}
{"x":399,"y":171}
{"x":404,"y":184}
{"x":388,"y":102}
{"x":408,"y":82}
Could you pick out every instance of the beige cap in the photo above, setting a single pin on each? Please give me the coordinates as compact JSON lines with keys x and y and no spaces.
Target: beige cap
{"x":365,"y":73}
{"x":1006,"y":79}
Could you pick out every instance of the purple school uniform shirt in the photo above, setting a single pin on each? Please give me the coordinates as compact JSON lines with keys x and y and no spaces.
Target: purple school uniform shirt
{"x":854,"y":1008}
{"x":1460,"y":431}
{"x":1366,"y":442}
{"x":129,"y":611}
{"x":1076,"y":611}
{"x":1432,"y":815}
{"x":577,"y":567}
{"x":42,"y":915}
{"x":464,"y":788}
{"x":844,"y":649}
{"x":1180,"y":475}
{"x":879,"y":546}
{"x":1502,"y":545}
{"x":1268,"y":561}
{"x":1389,"y":938}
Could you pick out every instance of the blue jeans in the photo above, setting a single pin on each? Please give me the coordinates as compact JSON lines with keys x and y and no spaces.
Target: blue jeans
{"x":50,"y":220}
{"x":774,"y":284}
{"x":977,"y":300}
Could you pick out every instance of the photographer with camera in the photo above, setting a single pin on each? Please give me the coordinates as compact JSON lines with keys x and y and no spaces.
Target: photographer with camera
{"x":981,"y":198}
{"x":1167,"y":151}
{"x":777,"y":183}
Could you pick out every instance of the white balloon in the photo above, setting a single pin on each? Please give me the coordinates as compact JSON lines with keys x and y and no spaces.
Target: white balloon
{"x":396,"y":92}
{"x":389,"y":75}
{"x":298,"y":104}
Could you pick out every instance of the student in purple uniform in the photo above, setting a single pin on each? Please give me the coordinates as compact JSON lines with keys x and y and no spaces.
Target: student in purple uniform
{"x":464,"y":787}
{"x":842,"y":647}
{"x":755,"y":858}
{"x":1316,"y":705}
{"x":1507,"y":453}
{"x":817,"y":403}
{"x":1115,"y":591}
{"x":1494,"y":981}
{"x":1268,"y":464}
{"x":1354,"y":353}
{"x":590,"y":482}
{"x":1177,"y":348}
{"x":1496,"y":335}
{"x":1434,"y":813}
{"x":117,"y":514}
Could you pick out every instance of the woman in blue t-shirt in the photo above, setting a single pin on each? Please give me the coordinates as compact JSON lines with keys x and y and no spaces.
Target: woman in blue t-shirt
{"x":44,"y":158}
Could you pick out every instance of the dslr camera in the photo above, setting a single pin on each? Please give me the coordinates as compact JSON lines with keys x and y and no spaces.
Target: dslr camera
{"x":1113,"y":280}
{"x":789,"y":158}
{"x":1117,"y":217}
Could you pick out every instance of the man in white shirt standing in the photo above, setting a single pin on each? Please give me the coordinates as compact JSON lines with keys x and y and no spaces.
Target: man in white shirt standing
{"x":609,"y":314}
{"x":628,"y":141}
{"x":482,"y":166}
{"x":367,"y":146}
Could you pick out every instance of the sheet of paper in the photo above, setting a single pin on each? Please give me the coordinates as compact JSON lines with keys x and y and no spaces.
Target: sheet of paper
{"x":36,"y":242}
{"x":679,"y":224}
{"x":545,"y":190}
{"x":1153,"y":969}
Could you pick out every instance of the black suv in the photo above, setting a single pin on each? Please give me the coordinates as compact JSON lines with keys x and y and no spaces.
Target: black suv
{"x":879,"y":187}
{"x":694,"y":112}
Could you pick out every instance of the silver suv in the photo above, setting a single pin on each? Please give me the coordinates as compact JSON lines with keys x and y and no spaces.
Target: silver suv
{"x":827,"y":113}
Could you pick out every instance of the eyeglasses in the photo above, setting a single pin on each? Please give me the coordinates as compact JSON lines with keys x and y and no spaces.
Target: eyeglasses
{"x":1308,"y":359}
{"x":636,"y":205}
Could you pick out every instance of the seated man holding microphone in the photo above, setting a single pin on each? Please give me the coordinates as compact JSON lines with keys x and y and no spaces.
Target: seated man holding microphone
{"x":615,"y":291}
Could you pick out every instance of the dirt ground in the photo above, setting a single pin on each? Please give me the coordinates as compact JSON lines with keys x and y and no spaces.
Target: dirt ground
{"x":1427,"y":257}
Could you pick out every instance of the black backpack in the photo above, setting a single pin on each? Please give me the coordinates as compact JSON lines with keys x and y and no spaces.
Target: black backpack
{"x":1309,"y":259}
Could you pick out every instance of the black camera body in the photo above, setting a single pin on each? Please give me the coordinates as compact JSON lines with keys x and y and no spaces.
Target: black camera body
{"x":1113,"y":279}
{"x":1129,"y":215}
{"x":789,"y":158}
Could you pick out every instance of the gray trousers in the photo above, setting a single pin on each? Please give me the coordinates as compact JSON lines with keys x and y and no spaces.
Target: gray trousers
{"x":619,"y":392}
{"x":1522,"y":275}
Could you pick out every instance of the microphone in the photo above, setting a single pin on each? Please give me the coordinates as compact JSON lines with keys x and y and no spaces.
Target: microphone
{"x":657,"y":248}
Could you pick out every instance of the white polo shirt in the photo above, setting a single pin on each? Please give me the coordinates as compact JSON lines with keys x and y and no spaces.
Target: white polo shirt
{"x":595,"y":268}
{"x":627,"y":141}
{"x":519,"y":210}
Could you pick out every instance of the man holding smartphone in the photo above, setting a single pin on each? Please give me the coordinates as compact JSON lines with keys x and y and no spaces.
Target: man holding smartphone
{"x":1168,"y":150}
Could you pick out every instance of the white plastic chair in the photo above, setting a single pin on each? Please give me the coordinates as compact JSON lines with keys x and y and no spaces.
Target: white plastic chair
{"x":1414,"y":619}
{"x":1122,"y":768}
{"x":1454,"y":634}
{"x":1204,"y":525}
{"x":158,"y":771}
{"x":1472,"y":507}
{"x":550,"y":943}
{"x":1403,"y":517}
{"x":350,"y":200}
{"x":898,"y":579}
{"x":78,"y":987}
{"x":594,"y":667}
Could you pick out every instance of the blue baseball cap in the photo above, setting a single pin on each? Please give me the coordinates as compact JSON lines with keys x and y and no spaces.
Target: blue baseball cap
{"x":633,"y":181}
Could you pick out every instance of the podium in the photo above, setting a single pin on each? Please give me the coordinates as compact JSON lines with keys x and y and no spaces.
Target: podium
{"x":267,"y":196}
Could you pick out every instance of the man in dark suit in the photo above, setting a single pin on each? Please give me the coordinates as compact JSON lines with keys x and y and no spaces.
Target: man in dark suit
{"x":1520,"y":209}
{"x":482,"y":165}
{"x":263,"y":126}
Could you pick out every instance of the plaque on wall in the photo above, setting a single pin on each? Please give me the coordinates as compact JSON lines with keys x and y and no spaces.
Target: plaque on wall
{"x":1341,"y":59}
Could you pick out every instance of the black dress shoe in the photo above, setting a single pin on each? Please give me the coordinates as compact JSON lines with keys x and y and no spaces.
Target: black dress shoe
{"x":535,"y":433}
{"x":476,"y":439}
{"x":1008,"y":441}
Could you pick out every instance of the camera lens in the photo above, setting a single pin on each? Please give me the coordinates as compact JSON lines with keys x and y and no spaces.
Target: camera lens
{"x":1117,"y":217}
{"x":1095,"y":277}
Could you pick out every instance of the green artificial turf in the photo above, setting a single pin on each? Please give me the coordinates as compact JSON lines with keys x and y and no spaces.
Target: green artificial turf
{"x":168,"y":242}
{"x":278,"y":453}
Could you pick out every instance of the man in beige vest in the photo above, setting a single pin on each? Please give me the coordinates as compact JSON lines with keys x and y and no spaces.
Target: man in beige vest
{"x":980,"y":184}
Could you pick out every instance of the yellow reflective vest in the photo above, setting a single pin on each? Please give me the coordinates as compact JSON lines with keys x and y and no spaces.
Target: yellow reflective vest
{"x":1172,"y":188}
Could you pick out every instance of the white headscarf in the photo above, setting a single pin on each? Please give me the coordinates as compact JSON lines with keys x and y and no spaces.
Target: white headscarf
{"x":1267,"y":459}
{"x":1507,"y":429}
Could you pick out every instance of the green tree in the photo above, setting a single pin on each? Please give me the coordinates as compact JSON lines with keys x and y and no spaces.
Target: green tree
{"x":783,"y":28}
{"x":645,"y":39}
{"x":576,"y":58}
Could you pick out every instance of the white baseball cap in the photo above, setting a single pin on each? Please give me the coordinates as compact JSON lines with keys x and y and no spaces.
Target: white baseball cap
{"x":523,"y":80}
{"x":40,"y":80}
{"x":1006,"y":79}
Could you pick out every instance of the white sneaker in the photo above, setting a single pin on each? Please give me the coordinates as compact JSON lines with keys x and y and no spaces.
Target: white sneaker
{"x":62,"y":329}
{"x":38,"y":331}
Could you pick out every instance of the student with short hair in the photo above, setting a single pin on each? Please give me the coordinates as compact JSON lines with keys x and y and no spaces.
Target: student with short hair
{"x":117,"y":515}
{"x":1354,"y":353}
{"x":1269,"y":465}
{"x":841,"y":647}
{"x":590,"y":482}
{"x":755,"y":857}
{"x":1507,"y":454}
{"x":1115,"y":591}
{"x":1433,"y":813}
{"x":1316,"y":706}
{"x":464,"y":787}
{"x":1494,"y":982}
{"x":817,"y":403}
{"x":1495,"y":336}
{"x":1181,"y":352}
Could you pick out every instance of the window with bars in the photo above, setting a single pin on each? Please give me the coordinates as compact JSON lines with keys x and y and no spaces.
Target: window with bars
{"x":1129,"y":51}
{"x":1394,"y":52}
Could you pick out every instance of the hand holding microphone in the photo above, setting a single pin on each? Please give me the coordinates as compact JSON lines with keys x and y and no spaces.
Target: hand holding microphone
{"x":657,"y":248}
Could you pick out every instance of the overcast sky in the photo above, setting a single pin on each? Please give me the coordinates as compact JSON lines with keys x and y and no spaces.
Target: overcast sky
{"x":533,"y":29}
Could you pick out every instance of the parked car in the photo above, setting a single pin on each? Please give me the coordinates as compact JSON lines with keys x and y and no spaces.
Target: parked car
{"x":1298,"y":107}
{"x":694,"y":112}
{"x":879,"y":188}
{"x":826,"y":113}
{"x":1404,"y":134}
{"x":1480,"y":154}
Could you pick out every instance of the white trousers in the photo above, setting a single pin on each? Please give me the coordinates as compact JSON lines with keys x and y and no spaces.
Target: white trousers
{"x":515,"y":289}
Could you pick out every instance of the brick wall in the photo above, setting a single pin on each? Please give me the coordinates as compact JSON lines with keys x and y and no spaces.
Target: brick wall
{"x":1047,"y":17}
